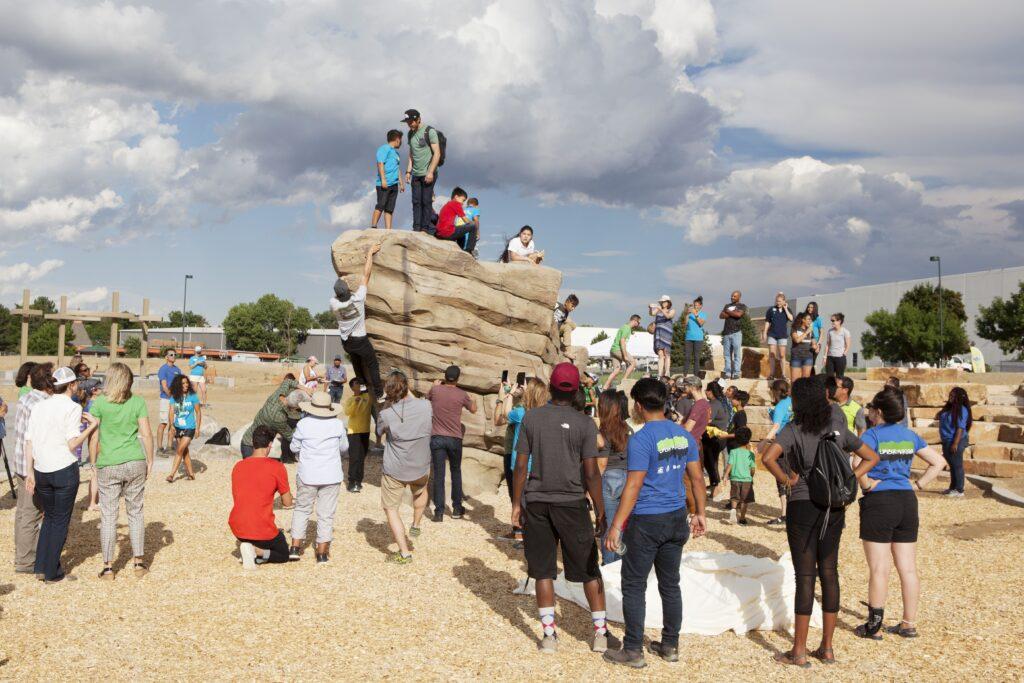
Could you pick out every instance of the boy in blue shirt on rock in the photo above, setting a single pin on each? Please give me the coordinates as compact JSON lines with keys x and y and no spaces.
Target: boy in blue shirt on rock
{"x":389,"y":182}
{"x":654,"y":503}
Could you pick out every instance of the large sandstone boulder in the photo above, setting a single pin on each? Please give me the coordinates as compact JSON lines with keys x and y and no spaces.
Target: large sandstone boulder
{"x":920,"y":375}
{"x":753,"y":363}
{"x":429,"y":305}
{"x":935,"y":395}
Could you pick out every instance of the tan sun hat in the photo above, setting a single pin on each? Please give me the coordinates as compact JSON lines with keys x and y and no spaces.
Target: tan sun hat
{"x":320,"y":405}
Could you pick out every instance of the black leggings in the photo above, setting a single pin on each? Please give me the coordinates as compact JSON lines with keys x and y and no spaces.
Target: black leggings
{"x":364,"y":362}
{"x":710,"y":449}
{"x":815,"y":556}
{"x":277,"y":546}
{"x":835,"y":365}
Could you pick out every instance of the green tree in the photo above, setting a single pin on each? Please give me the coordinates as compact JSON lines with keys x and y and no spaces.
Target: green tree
{"x":750,"y":334}
{"x":911,"y":334}
{"x":599,"y":337}
{"x":133,"y":347}
{"x":926,"y":298}
{"x":269,"y":324}
{"x":192,"y":319}
{"x":1002,"y":322}
{"x":325,"y":320}
{"x":10,"y":330}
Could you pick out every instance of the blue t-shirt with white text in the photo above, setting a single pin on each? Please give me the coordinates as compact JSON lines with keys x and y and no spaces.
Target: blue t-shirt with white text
{"x":388,"y":155}
{"x":661,"y":449}
{"x":896,"y":446}
{"x":185,"y":412}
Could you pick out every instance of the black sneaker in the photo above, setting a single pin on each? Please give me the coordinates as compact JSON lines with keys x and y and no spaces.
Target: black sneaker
{"x":458,"y":515}
{"x":437,"y":517}
{"x":321,"y":558}
{"x":777,"y":520}
{"x":359,"y":488}
{"x":630,"y":658}
{"x":294,"y":554}
{"x":669,"y":654}
{"x":743,"y":522}
{"x":351,"y":488}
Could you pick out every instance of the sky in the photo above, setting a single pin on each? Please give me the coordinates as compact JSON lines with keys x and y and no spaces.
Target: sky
{"x":676,"y":147}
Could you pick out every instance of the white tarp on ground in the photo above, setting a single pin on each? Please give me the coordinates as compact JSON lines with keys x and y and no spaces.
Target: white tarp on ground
{"x":721,"y":592}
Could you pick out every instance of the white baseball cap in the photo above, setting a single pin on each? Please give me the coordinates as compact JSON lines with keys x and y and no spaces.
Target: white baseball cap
{"x":664,"y":297}
{"x":64,"y":375}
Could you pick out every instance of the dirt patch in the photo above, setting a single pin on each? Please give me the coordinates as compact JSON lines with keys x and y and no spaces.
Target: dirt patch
{"x":985,"y":528}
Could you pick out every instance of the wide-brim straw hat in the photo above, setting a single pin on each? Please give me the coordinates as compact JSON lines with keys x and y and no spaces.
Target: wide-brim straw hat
{"x":320,"y":405}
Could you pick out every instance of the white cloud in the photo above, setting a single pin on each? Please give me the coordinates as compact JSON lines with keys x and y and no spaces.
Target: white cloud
{"x":26,"y":272}
{"x":63,"y":219}
{"x":355,"y":213}
{"x":88,"y":297}
{"x":757,"y":277}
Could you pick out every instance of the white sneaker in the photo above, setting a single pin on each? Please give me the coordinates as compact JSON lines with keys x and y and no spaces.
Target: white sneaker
{"x":732,"y":516}
{"x":548,"y":644}
{"x":248,"y":553}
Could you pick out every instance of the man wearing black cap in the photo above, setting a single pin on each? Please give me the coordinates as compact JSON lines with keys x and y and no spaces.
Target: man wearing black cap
{"x":447,"y":401}
{"x":350,"y":310}
{"x":421,"y":171}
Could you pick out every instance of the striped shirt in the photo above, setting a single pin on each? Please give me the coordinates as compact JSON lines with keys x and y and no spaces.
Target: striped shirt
{"x":24,"y":412}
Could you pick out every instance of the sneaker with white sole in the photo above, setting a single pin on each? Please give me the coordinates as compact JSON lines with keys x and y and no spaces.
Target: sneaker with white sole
{"x":603,"y":642}
{"x":248,"y":553}
{"x":548,"y":644}
{"x":732,"y":516}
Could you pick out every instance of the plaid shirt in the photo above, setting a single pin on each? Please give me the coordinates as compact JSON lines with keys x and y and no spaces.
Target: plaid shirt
{"x":25,"y":404}
{"x":273,"y":414}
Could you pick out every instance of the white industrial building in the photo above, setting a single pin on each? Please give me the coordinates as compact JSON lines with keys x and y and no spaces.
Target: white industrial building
{"x":977,"y":289}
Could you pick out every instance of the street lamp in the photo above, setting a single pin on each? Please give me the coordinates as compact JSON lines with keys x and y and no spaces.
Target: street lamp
{"x":937,"y":260}
{"x":184,"y":307}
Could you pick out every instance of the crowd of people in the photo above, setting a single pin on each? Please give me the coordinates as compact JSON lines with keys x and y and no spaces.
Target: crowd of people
{"x":458,"y":220}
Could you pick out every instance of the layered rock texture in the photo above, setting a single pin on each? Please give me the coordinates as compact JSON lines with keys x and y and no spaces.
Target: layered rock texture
{"x":430,"y":305}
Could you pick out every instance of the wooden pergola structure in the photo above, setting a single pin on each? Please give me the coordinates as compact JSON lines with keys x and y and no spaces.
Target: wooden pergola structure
{"x":63,"y":316}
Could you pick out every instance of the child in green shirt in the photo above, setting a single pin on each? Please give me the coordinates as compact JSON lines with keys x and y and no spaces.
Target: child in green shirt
{"x":740,"y":473}
{"x":620,"y":352}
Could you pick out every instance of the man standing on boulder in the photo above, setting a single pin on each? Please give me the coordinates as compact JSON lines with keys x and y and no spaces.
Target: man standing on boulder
{"x":421,"y":171}
{"x":350,"y":310}
{"x":562,"y":445}
{"x":732,"y":335}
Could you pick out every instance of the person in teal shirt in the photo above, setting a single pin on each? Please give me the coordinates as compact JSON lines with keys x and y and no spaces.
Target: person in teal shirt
{"x":197,"y":372}
{"x":389,"y":181}
{"x":620,"y":351}
{"x":693,"y":341}
{"x":781,"y":414}
{"x":187,"y":420}
{"x":817,"y":323}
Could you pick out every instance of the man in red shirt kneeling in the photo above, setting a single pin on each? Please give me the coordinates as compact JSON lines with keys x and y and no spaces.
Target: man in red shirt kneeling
{"x":254,"y":482}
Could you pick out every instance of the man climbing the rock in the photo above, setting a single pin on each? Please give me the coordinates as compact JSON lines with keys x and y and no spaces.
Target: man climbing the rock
{"x":350,"y":310}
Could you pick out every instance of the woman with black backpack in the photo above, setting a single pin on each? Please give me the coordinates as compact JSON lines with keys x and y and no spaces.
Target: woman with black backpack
{"x":815,"y":442}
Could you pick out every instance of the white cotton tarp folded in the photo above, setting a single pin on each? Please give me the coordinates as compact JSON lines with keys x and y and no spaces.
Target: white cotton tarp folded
{"x":721,"y":592}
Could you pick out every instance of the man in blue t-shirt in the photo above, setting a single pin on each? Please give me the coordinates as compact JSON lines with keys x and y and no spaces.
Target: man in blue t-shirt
{"x":693,"y":341}
{"x":654,"y":503}
{"x":389,"y":181}
{"x":165,"y":375}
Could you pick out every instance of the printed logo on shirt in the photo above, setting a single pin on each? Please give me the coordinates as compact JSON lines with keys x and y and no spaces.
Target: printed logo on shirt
{"x":669,"y":449}
{"x":896,"y":450}
{"x":565,"y":425}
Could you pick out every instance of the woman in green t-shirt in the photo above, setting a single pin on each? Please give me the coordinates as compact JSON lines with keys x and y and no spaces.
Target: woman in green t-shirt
{"x":123,"y":464}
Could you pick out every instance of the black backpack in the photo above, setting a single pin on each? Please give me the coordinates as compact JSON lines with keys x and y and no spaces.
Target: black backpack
{"x":222,"y":437}
{"x":830,"y":481}
{"x":442,"y":142}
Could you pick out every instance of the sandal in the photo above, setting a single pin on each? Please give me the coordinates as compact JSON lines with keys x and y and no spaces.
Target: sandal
{"x":910,"y":631}
{"x":107,"y":574}
{"x":170,"y":479}
{"x":140,"y":570}
{"x":191,"y":477}
{"x":863,"y":632}
{"x":398,"y":558}
{"x":824,"y":655}
{"x":414,"y":532}
{"x":787,"y":658}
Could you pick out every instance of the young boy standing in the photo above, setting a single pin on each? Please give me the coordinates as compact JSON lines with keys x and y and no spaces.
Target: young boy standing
{"x":357,"y":410}
{"x":389,"y":182}
{"x":566,"y":326}
{"x":740,"y":473}
{"x":620,"y":351}
{"x":464,"y":235}
{"x":654,"y":502}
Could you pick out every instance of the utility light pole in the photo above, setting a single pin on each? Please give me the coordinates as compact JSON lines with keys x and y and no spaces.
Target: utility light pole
{"x":184,"y":305}
{"x":942,"y":336}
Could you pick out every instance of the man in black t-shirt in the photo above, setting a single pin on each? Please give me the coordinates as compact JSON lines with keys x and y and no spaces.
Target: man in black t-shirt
{"x":562,"y":444}
{"x":732,"y":336}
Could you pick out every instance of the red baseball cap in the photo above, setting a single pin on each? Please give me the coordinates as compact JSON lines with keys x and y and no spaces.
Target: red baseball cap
{"x":565,"y":377}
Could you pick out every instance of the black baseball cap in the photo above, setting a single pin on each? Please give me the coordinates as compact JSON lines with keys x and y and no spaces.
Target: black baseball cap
{"x":411,"y":115}
{"x":452,"y":373}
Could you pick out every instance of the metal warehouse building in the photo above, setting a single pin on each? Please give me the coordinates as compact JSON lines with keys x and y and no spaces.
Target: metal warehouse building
{"x":977,"y":289}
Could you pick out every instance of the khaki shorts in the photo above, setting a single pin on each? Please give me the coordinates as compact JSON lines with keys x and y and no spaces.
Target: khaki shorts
{"x":391,"y":490}
{"x":197,"y":379}
{"x":165,"y":408}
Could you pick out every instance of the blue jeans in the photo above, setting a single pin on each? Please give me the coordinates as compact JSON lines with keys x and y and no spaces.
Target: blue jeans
{"x":336,"y":391}
{"x":612,"y":483}
{"x":956,"y":463}
{"x":731,"y":348}
{"x":56,"y":492}
{"x":653,"y":541}
{"x":423,"y":204}
{"x":442,"y":449}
